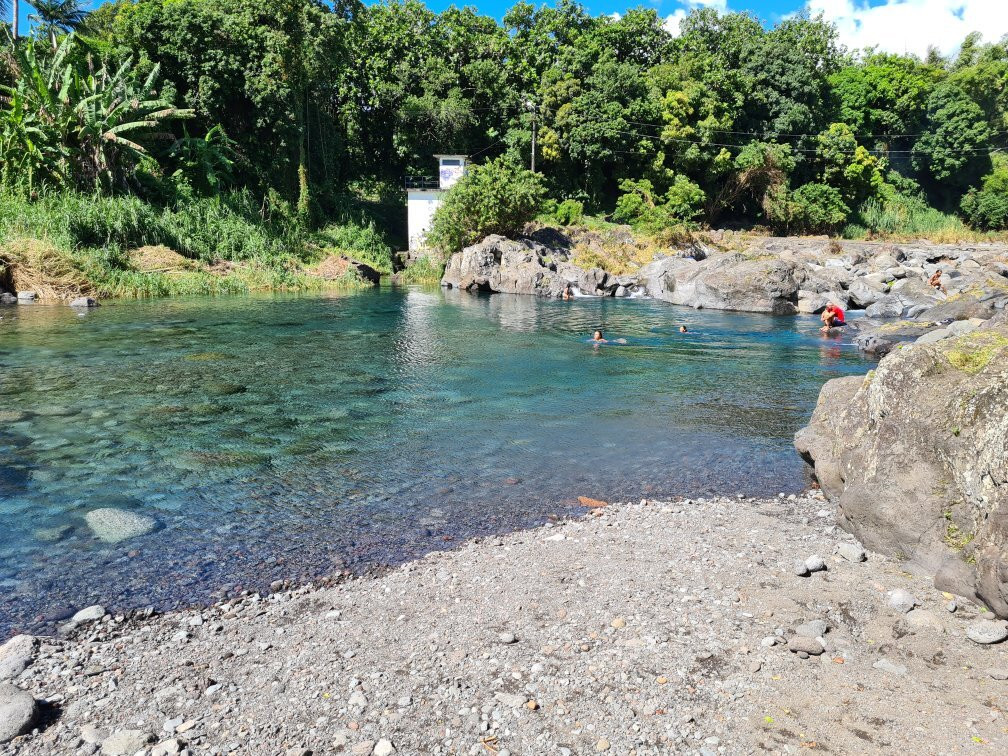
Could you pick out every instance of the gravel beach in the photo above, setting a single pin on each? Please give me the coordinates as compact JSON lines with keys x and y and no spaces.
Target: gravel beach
{"x":697,"y":626}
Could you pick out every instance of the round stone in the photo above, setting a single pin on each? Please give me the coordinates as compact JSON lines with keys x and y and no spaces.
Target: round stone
{"x":17,"y":712}
{"x":113,"y":525}
{"x":986,"y":631}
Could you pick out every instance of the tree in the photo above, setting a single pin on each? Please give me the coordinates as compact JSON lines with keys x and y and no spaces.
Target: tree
{"x":58,"y":15}
{"x":498,"y":197}
{"x":848,"y":166}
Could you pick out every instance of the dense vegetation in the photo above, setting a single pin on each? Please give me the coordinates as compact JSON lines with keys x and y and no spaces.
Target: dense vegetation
{"x":307,"y":116}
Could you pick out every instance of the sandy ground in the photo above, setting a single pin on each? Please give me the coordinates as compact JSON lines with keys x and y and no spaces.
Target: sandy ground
{"x":640,"y":629}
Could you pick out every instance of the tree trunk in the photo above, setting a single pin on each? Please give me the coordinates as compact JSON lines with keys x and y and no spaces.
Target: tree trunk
{"x":15,"y":12}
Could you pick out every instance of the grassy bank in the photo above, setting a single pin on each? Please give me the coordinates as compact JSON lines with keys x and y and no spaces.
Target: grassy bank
{"x":67,"y":244}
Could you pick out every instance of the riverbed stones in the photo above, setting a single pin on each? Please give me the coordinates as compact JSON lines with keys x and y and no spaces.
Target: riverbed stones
{"x":384,"y":747}
{"x":891,"y":667}
{"x":986,"y":632}
{"x":113,"y":525}
{"x":18,"y":711}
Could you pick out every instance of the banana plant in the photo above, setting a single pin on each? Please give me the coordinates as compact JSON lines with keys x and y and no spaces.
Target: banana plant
{"x":66,"y":124}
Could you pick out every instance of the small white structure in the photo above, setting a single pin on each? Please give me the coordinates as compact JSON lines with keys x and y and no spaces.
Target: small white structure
{"x":423,"y":196}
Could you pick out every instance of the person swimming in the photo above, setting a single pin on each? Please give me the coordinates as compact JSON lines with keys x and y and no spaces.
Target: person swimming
{"x":683,"y":329}
{"x":598,"y":338}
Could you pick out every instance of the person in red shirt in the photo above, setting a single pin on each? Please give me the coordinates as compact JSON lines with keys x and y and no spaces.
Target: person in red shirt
{"x":832,"y":317}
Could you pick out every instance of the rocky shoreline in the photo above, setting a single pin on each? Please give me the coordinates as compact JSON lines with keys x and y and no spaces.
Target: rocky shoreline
{"x":710,"y":625}
{"x":886,"y":283}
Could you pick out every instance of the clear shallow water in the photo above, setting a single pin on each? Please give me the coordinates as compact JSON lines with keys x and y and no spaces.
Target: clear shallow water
{"x":285,"y":437}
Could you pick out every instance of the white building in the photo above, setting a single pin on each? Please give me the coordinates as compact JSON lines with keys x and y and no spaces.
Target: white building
{"x":423,"y":196}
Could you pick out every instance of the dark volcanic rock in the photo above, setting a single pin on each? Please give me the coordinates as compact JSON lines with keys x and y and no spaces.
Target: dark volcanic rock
{"x":915,"y":455}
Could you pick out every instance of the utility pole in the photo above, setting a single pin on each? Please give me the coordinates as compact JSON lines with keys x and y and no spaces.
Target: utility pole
{"x":531,"y":106}
{"x":16,"y":12}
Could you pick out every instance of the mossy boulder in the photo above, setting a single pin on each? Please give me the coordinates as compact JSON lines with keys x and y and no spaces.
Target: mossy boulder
{"x":916,"y":458}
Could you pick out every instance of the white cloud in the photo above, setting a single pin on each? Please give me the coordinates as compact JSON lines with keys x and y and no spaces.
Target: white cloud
{"x":911,"y":26}
{"x":672,"y":19}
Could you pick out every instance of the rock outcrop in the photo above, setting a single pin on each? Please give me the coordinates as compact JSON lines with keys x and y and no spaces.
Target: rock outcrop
{"x":915,"y":455}
{"x":774,"y":275}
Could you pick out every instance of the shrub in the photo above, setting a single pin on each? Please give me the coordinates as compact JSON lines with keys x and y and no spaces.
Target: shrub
{"x":895,"y":214}
{"x":817,"y":208}
{"x":568,"y":212}
{"x":682,"y":203}
{"x":987,"y":208}
{"x":498,"y":197}
{"x":363,"y":243}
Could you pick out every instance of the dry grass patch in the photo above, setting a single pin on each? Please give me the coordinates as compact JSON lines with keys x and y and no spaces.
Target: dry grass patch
{"x":33,"y":265}
{"x":332,"y":268}
{"x":160,"y":259}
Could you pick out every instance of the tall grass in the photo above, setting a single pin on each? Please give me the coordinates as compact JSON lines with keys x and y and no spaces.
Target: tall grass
{"x":903,"y":216}
{"x":93,"y":235}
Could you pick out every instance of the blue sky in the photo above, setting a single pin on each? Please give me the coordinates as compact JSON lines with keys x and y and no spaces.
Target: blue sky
{"x":903,"y":26}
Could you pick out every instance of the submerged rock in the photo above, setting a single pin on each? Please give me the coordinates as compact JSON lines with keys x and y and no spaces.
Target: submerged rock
{"x":113,"y":525}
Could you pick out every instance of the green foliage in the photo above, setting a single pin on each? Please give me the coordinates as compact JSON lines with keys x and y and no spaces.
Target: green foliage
{"x":569,"y":212}
{"x":68,"y":126}
{"x":498,"y":197}
{"x":818,"y":208}
{"x":987,"y":208}
{"x":363,"y":243}
{"x":682,"y":203}
{"x":895,"y":214}
{"x":848,"y":166}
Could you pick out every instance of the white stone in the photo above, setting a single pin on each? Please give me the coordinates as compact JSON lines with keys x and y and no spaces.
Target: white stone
{"x":113,"y":525}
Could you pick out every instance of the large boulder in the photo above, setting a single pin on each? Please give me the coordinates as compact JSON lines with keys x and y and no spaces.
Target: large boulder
{"x":915,"y":456}
{"x":498,"y":264}
{"x":727,"y":282}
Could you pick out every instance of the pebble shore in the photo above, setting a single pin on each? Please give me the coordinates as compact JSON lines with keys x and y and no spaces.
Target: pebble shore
{"x":710,"y":626}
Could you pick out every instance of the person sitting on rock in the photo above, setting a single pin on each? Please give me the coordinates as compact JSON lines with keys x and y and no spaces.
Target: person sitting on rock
{"x":832,"y":317}
{"x":936,"y":282}
{"x":598,"y":339}
{"x":567,"y":293}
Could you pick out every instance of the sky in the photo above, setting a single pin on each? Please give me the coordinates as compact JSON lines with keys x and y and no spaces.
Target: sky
{"x":900,"y":26}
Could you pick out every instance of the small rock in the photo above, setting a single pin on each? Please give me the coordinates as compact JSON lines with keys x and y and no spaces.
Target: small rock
{"x":357,"y":700}
{"x":618,"y":623}
{"x":602,"y":745}
{"x":511,"y":700}
{"x":902,"y":600}
{"x":168,"y":747}
{"x":801,"y":644}
{"x":84,"y":302}
{"x":91,"y":734}
{"x":384,"y":747}
{"x":891,"y":667}
{"x":18,"y":711}
{"x":26,"y":296}
{"x":364,"y":748}
{"x":987,"y":631}
{"x":998,"y":674}
{"x":768,"y":641}
{"x":951,"y":605}
{"x":756,"y":666}
{"x":921,"y":619}
{"x":800,"y":569}
{"x":852,"y":552}
{"x":813,"y":629}
{"x":125,"y":743}
{"x":90,"y":614}
{"x":507,"y":638}
{"x":815,"y":563}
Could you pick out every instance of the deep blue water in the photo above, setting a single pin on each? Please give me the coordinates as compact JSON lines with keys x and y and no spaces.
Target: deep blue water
{"x":282,"y":437}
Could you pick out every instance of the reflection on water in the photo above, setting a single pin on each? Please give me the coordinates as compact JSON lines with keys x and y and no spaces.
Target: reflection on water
{"x":281,"y":437}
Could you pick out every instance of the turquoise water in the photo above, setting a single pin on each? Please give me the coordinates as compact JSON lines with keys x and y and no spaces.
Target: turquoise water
{"x":288,"y":437}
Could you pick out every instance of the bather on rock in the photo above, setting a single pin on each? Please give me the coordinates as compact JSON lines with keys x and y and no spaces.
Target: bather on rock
{"x":832,"y":317}
{"x":936,"y":282}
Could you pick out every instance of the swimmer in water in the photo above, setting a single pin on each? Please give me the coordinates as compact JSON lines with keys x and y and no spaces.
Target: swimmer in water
{"x":598,"y":339}
{"x":683,"y":329}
